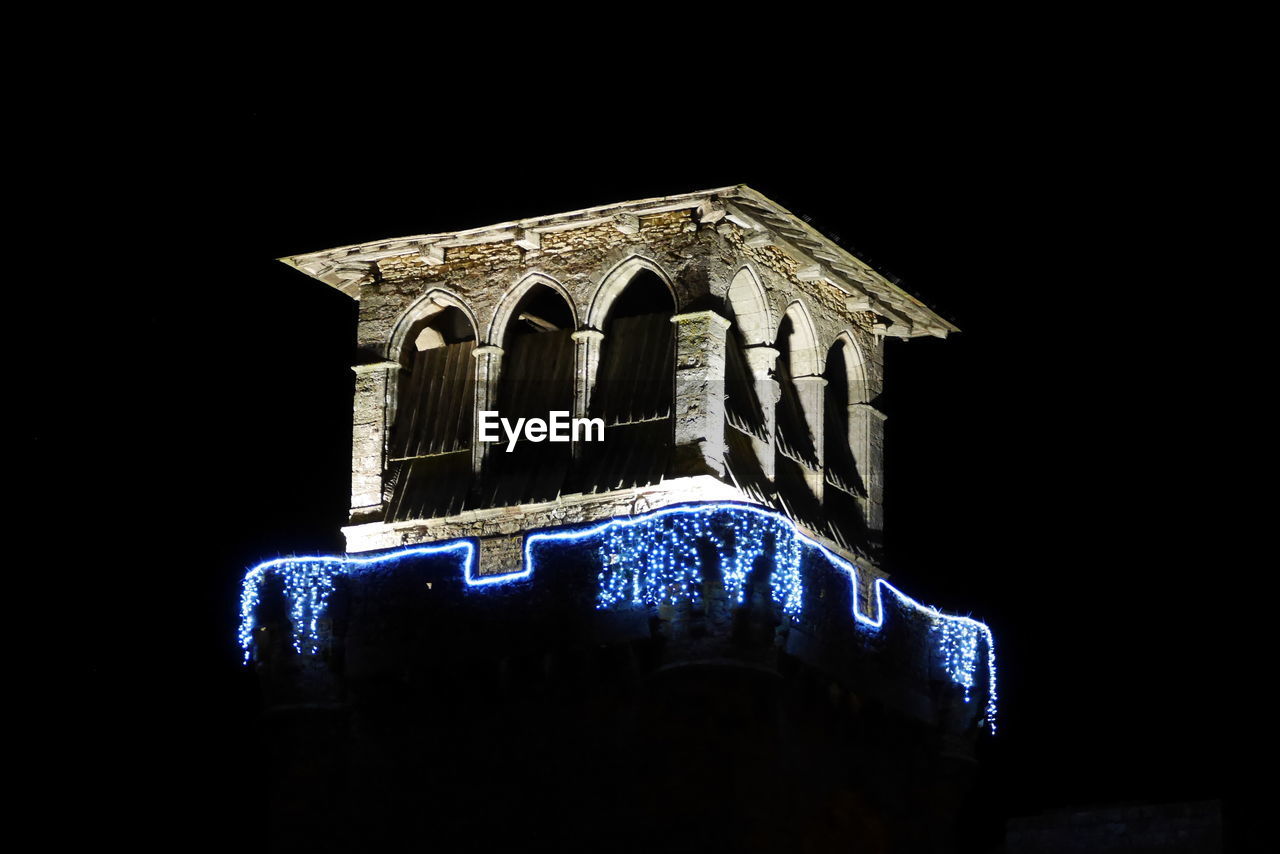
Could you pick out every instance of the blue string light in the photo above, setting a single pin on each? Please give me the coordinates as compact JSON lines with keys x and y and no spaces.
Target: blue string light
{"x":309,"y":584}
{"x":647,"y":568}
{"x":652,"y":559}
{"x":958,"y":638}
{"x":957,"y":645}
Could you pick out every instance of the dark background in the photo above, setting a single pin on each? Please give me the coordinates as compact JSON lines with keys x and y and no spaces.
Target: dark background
{"x":1050,"y":467}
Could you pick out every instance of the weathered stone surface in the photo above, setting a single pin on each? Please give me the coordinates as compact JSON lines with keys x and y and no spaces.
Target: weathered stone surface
{"x":500,"y":555}
{"x":752,"y":268}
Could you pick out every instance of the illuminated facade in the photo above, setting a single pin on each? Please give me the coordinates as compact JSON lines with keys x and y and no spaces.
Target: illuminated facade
{"x":545,"y":602}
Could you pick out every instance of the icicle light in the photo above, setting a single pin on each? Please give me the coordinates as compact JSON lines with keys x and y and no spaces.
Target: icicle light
{"x":652,"y":559}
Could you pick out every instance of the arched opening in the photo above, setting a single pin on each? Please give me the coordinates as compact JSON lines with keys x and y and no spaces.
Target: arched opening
{"x":749,"y":308}
{"x":847,"y":444}
{"x":843,"y":364}
{"x":798,"y":465}
{"x":795,"y":359}
{"x":537,"y":361}
{"x":636,"y":381}
{"x":747,"y":433}
{"x":634,"y":388}
{"x":536,"y":379}
{"x":742,"y":407}
{"x":435,"y":387}
{"x":430,"y":438}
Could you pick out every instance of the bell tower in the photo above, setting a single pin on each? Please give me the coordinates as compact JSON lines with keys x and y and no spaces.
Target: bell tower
{"x":628,"y":457}
{"x":733,"y":352}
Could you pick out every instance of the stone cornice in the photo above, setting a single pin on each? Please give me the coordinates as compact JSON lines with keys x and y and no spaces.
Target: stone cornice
{"x":575,"y":508}
{"x":767,"y":223}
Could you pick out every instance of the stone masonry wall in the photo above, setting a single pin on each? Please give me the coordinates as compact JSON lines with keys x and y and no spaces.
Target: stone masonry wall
{"x":699,"y":261}
{"x":589,"y":265}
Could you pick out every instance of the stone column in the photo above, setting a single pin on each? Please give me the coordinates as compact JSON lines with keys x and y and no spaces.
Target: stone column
{"x":812,"y":391}
{"x":866,"y":440}
{"x":699,"y":393}
{"x":761,"y":360}
{"x":488,"y":371}
{"x":588,"y":344}
{"x":369,"y":440}
{"x":586,"y":365}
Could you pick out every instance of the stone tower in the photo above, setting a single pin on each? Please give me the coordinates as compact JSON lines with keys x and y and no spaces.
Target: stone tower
{"x":675,"y":616}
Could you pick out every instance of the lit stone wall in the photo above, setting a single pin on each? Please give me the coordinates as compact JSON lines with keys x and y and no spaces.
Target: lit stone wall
{"x":698,"y":252}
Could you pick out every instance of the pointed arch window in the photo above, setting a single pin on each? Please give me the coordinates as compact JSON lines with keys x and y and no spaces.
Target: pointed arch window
{"x":750,"y":326}
{"x":429,"y":452}
{"x":795,"y":354}
{"x":636,"y":378}
{"x":634,"y":389}
{"x":436,"y":387}
{"x":843,"y":374}
{"x":536,"y":378}
{"x":537,"y":361}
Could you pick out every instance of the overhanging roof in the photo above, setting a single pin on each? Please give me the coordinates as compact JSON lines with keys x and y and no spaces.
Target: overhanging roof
{"x":767,"y":222}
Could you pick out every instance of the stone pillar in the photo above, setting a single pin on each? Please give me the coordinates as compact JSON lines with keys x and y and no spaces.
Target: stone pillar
{"x":866,"y":440}
{"x":586,"y":365}
{"x":812,"y":391}
{"x":761,"y":360}
{"x":699,"y":393}
{"x":488,"y":371}
{"x":369,"y":440}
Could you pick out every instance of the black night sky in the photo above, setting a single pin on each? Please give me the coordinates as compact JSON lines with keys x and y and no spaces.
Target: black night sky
{"x":1047,"y":468}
